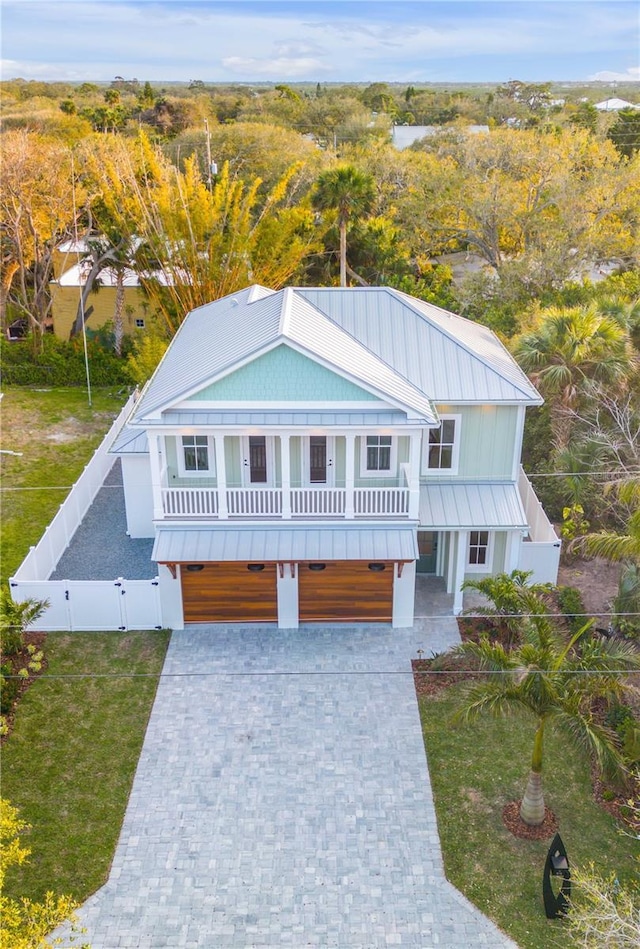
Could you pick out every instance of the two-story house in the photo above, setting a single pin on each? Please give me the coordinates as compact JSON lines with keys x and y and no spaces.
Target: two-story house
{"x":300,"y":455}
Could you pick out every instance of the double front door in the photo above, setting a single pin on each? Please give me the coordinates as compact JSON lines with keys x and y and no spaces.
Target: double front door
{"x":257,"y":460}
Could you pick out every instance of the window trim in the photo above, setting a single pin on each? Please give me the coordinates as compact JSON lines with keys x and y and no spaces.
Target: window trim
{"x":392,"y":470}
{"x":455,"y":452}
{"x":183,"y":471}
{"x":481,"y":567}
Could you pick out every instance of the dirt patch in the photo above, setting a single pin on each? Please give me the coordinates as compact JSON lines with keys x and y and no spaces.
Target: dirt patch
{"x":512,"y":821}
{"x":597,"y":581}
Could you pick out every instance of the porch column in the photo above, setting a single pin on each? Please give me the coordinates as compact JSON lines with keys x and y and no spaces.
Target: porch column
{"x":285,"y":460}
{"x":348,"y":475}
{"x":221,"y":477}
{"x":155,"y":464}
{"x":414,"y":477}
{"x":461,"y":559}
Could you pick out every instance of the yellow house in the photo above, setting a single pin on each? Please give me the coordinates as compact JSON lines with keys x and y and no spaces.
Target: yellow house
{"x":100,"y":304}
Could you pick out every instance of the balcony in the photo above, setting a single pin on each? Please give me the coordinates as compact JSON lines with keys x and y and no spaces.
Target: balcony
{"x":278,"y":503}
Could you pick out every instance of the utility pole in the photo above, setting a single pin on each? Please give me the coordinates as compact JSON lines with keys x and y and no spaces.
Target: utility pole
{"x":212,"y":168}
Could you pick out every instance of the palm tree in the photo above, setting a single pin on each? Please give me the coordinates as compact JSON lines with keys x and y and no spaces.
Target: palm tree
{"x":112,"y":252}
{"x":569,"y":347}
{"x":616,"y":547}
{"x":351,"y":193}
{"x":555,"y":681}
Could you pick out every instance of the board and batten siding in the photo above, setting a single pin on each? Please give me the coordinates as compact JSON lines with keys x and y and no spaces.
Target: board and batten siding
{"x":64,"y":306}
{"x":488,"y":433}
{"x":282,"y":375}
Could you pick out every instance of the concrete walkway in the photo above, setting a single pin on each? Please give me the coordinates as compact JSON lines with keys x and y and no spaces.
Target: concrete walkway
{"x":282,"y":799}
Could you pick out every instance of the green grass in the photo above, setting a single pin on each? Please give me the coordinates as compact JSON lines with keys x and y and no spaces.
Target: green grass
{"x":477,"y":769}
{"x":56,"y":432}
{"x":69,"y":763}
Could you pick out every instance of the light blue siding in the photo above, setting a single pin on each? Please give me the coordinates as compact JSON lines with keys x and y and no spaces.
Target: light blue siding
{"x":283,"y":375}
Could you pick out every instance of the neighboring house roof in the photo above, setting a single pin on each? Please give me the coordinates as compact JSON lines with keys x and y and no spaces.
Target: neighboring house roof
{"x":295,"y":544}
{"x":614,"y":105}
{"x":221,"y":336}
{"x":76,"y":276}
{"x":402,"y":136}
{"x":475,"y":506}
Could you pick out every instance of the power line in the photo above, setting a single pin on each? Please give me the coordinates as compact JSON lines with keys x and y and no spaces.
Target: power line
{"x":71,"y":676}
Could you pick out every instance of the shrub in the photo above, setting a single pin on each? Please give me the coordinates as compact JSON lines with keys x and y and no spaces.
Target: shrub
{"x":8,"y":689}
{"x":572,"y":605}
{"x":60,"y":363}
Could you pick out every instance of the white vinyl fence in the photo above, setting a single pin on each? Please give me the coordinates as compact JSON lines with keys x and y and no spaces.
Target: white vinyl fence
{"x":85,"y":604}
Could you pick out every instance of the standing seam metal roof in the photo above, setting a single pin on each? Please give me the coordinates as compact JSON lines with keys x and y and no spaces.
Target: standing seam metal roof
{"x":216,"y":337}
{"x":281,"y":545}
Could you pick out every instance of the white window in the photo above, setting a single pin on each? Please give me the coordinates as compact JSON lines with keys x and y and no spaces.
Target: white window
{"x":480,"y":551}
{"x":442,"y":446}
{"x":196,"y":456}
{"x":378,"y":457}
{"x":140,"y":323}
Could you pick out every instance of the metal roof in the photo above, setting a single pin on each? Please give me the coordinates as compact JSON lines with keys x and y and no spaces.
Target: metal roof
{"x":452,"y":359}
{"x":130,"y":441}
{"x":284,"y":419}
{"x":217,"y":337}
{"x":475,"y":506}
{"x":275,"y":545}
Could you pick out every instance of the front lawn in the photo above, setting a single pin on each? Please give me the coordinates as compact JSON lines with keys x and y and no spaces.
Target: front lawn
{"x":69,"y":762}
{"x":475,"y":770}
{"x":55,"y":432}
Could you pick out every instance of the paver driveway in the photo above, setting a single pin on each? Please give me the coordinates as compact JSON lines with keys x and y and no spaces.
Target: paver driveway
{"x":282,"y":799}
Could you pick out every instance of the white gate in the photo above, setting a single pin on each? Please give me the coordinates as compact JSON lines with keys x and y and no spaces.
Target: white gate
{"x":93,"y":604}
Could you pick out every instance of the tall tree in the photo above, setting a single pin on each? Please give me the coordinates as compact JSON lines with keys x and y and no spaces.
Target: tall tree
{"x":555,"y":680}
{"x":351,"y":194}
{"x":37,"y":212}
{"x":569,"y":347}
{"x":198,"y":244}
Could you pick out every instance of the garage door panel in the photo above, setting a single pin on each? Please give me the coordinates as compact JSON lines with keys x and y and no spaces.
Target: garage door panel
{"x":229,"y":592}
{"x":345,"y":591}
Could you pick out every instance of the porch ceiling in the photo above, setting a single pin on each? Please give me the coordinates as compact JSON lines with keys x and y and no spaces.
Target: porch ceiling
{"x":301,"y":544}
{"x":474,"y":506}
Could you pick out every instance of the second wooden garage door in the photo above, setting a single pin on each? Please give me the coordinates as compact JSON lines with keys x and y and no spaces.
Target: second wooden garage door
{"x":229,"y":593}
{"x":345,"y":590}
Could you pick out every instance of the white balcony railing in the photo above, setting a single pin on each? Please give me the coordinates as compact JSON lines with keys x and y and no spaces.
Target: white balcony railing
{"x":318,"y":502}
{"x":381,"y":502}
{"x":303,"y":502}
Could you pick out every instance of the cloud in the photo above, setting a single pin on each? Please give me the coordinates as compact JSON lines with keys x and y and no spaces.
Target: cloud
{"x":285,"y":67}
{"x":608,"y":75}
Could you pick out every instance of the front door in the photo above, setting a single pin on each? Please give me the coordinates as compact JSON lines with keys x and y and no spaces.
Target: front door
{"x":428,"y":547}
{"x":258,"y":459}
{"x":318,"y":459}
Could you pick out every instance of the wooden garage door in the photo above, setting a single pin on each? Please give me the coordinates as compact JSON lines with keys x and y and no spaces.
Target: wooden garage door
{"x":229,"y":593}
{"x":345,"y":590}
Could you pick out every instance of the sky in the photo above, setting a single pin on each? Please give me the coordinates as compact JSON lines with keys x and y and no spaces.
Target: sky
{"x":330,"y":41}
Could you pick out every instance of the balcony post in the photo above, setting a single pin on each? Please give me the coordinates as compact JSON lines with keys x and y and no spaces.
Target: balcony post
{"x":414,"y":477}
{"x":285,"y":460}
{"x":349,"y":476}
{"x":156,"y":466}
{"x":221,"y":478}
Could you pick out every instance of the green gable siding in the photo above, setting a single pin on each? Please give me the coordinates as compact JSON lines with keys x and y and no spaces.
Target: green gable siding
{"x":283,"y":375}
